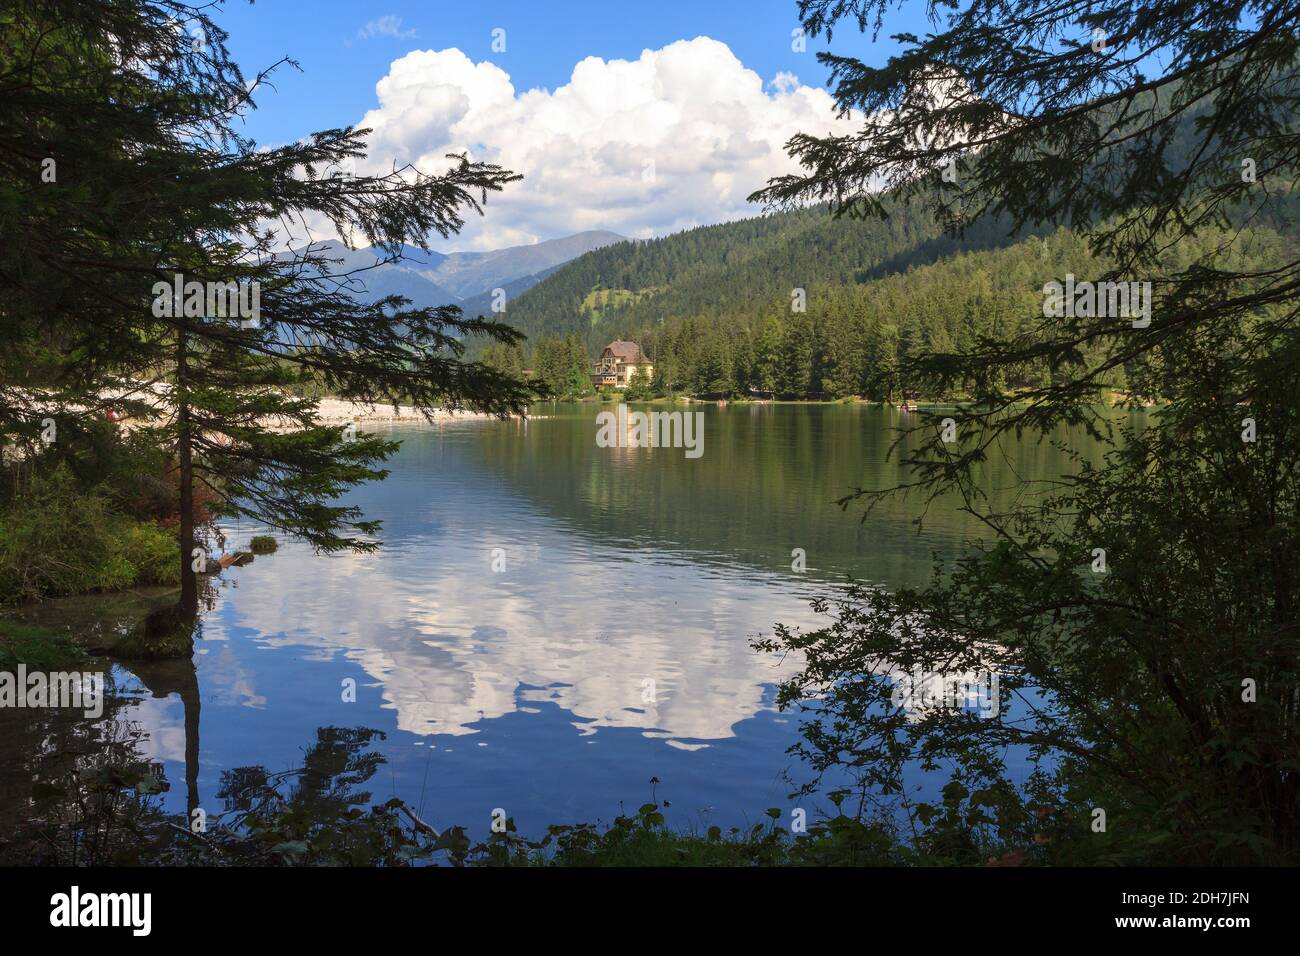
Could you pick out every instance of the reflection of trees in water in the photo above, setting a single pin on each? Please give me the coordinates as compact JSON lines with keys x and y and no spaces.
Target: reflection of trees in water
{"x":69,"y":786}
{"x":179,"y":677}
{"x":316,"y":814}
{"x":324,"y":786}
{"x":89,"y":795}
{"x":769,"y":481}
{"x":75,"y":789}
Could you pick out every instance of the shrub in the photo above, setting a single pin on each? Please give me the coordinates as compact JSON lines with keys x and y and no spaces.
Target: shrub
{"x":151,"y":551}
{"x":59,"y":540}
{"x":263,"y":544}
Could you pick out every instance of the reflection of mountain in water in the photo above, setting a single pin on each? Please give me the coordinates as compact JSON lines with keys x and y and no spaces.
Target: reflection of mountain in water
{"x":767,"y":483}
{"x":634,"y":578}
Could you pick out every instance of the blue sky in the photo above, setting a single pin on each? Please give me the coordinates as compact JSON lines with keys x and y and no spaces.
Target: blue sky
{"x":544,"y":41}
{"x":645,"y":147}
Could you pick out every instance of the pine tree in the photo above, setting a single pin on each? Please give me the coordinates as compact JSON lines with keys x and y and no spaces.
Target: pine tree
{"x":135,"y":104}
{"x":1148,"y":603}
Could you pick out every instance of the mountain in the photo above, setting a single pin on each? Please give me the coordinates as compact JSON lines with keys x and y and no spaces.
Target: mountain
{"x":736,"y":267}
{"x":459,"y":278}
{"x":717,"y":308}
{"x":469,"y":273}
{"x":411,"y":277}
{"x":481,"y":304}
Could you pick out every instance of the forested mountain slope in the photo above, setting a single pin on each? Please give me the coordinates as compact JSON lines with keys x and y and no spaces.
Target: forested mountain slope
{"x":718,"y":308}
{"x":713,"y":268}
{"x":715,"y":307}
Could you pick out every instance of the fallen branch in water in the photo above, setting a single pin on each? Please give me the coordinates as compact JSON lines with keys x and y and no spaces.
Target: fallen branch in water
{"x":419,"y":824}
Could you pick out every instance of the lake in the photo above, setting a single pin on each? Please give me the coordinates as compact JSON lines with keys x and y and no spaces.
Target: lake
{"x":549,"y":624}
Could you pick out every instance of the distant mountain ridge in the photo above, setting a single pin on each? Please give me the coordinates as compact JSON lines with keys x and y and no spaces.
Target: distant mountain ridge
{"x":466,"y":279}
{"x":470,"y":273}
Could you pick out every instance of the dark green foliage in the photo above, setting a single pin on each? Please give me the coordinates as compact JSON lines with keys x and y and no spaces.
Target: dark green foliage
{"x":638,"y":386}
{"x":561,"y":367}
{"x":505,"y":358}
{"x":263,"y":544}
{"x":1162,"y":687}
{"x":1166,"y":680}
{"x":644,"y":839}
{"x":745,"y":263}
{"x":102,"y":809}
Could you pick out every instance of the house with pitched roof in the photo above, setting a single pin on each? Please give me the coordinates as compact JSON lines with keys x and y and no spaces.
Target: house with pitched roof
{"x":618,"y":362}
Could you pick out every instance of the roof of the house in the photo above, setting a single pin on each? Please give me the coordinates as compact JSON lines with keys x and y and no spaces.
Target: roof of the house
{"x":627,"y":352}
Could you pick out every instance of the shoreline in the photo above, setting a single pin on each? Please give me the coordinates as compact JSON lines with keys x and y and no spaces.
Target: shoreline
{"x":1112,"y":400}
{"x":337,"y":411}
{"x":330,"y":411}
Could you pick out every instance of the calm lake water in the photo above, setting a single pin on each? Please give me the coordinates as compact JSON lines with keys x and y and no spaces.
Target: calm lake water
{"x":525,"y":687}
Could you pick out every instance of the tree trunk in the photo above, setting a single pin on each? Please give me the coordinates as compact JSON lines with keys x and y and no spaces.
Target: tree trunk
{"x":189,"y":603}
{"x":163,"y":678}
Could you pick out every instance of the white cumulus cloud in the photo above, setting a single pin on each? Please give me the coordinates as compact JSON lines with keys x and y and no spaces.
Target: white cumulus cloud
{"x":676,"y":138}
